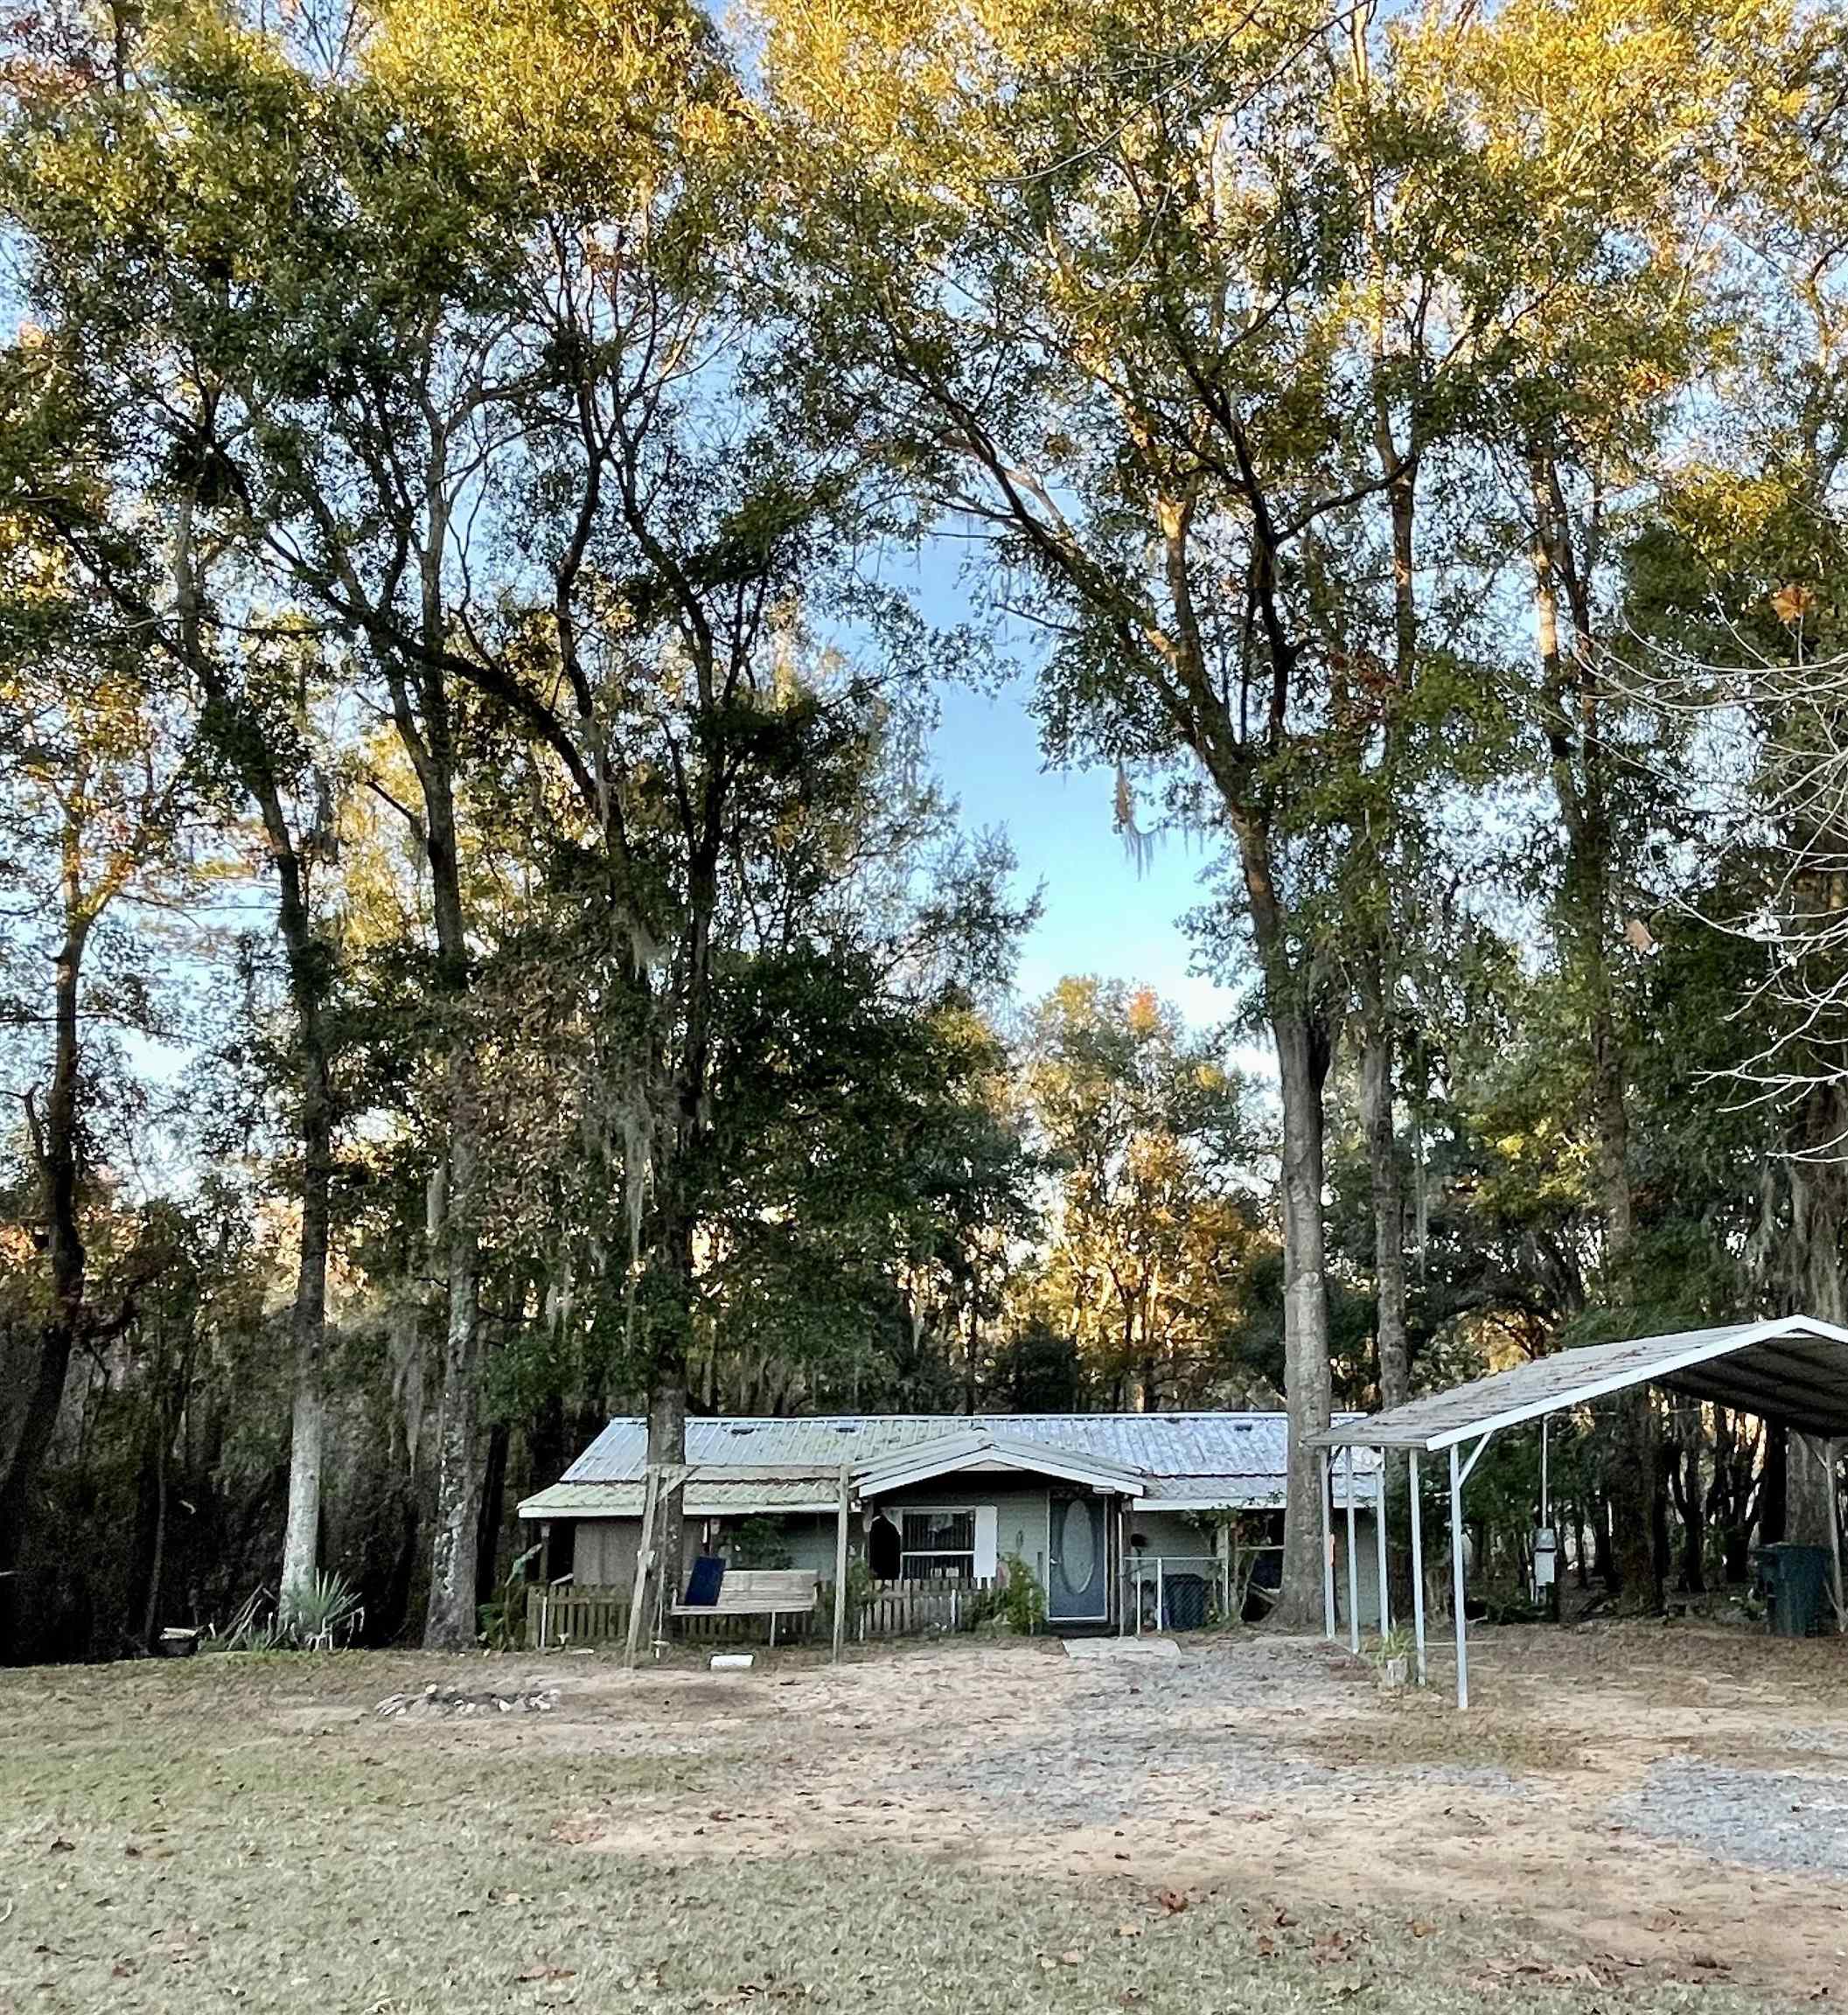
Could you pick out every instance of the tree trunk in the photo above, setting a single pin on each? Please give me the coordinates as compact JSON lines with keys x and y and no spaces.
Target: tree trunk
{"x":245,"y":737}
{"x":493,"y":1504}
{"x":1604,"y":1568}
{"x":449,"y":1623}
{"x":1811,"y":1491}
{"x":1389,"y":1206}
{"x":157,"y":1562}
{"x":1694,"y":1530}
{"x":1302,"y":1057}
{"x":1572,"y":701}
{"x":667,"y":1443}
{"x":307,"y":981}
{"x":1774,"y":1493}
{"x":54,"y":1139}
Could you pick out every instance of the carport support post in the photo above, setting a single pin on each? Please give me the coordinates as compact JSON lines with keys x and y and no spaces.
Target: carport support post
{"x":1828,"y":1451}
{"x":846,"y":1486}
{"x":1353,"y":1564}
{"x":1379,"y":1543}
{"x":1456,"y":1582}
{"x":1418,"y":1565}
{"x":1327,"y":1554}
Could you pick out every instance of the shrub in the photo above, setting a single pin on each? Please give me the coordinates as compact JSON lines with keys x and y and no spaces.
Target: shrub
{"x":315,"y":1615}
{"x":759,"y":1543}
{"x":1022,"y":1600}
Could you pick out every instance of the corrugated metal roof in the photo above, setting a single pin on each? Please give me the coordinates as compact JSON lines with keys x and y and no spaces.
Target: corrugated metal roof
{"x":706,"y":1498}
{"x":1238,"y":1461}
{"x":1794,"y":1370}
{"x":1152,"y":1444}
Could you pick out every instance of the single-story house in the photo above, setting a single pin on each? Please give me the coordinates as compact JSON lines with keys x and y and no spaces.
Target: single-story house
{"x":1103,"y":1509}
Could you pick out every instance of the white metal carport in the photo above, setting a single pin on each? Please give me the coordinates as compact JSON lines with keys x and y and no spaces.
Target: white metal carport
{"x":1793,"y":1370}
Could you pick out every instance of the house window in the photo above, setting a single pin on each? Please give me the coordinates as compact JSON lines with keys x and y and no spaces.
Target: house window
{"x":938,"y":1546}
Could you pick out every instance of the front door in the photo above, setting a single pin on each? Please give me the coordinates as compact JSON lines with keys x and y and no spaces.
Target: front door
{"x":1078,"y":1557}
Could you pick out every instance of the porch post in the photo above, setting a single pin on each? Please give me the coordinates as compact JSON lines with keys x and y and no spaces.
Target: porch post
{"x":1417,"y":1568}
{"x":1353,"y":1564}
{"x":1380,"y":1542}
{"x":1456,"y":1582}
{"x":846,"y":1485}
{"x":1122,"y":1566}
{"x":1327,"y":1554}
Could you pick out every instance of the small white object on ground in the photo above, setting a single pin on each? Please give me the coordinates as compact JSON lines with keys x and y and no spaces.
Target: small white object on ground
{"x":1134,"y":1649}
{"x":732,"y":1661}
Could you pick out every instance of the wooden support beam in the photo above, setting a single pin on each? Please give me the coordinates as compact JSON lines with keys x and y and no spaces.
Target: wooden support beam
{"x":644,"y":1560}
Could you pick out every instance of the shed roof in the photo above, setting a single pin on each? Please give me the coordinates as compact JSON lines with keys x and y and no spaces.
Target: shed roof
{"x":1792,"y":1368}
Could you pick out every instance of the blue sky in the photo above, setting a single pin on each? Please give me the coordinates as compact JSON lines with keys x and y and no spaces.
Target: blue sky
{"x":1100,"y":916}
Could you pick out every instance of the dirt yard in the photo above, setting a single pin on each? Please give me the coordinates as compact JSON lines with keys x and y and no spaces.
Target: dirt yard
{"x":1635,"y":1817}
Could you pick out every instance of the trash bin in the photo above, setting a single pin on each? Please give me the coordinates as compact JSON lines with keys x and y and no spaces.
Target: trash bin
{"x":1791,"y":1579}
{"x":1184,"y":1596}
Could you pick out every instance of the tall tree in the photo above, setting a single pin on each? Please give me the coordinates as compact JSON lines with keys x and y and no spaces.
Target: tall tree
{"x":1090,"y":276}
{"x":96,"y":788}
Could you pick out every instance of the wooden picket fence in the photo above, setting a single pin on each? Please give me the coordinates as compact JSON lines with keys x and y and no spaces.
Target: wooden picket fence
{"x":566,"y":1615}
{"x":923,"y":1608}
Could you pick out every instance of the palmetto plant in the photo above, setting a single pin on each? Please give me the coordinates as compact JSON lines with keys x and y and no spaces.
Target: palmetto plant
{"x":316,"y":1615}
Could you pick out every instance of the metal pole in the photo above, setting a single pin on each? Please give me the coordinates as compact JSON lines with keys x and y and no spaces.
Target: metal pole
{"x":1456,"y":1582}
{"x":1160,"y":1598}
{"x":1328,"y":1555}
{"x":1380,"y":1541}
{"x":846,"y":1489}
{"x":1353,"y":1564}
{"x":1418,"y":1568}
{"x":1546,"y":1494}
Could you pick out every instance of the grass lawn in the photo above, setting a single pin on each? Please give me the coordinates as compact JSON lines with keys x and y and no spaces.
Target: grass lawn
{"x":245,"y":1832}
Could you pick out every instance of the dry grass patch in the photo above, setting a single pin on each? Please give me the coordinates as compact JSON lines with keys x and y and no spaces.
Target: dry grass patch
{"x":1410,"y":1731}
{"x":246,"y":1834}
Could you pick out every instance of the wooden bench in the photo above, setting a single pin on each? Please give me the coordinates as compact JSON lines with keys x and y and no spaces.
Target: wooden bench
{"x":770,"y":1592}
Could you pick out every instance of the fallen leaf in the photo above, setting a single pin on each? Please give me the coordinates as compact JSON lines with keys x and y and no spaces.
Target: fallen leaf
{"x":1173,"y":1901}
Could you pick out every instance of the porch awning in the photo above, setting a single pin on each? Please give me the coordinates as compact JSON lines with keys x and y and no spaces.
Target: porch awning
{"x":1792,"y":1370}
{"x":980,"y":1449}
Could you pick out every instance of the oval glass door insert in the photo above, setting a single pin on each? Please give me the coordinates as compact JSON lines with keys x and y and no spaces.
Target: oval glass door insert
{"x":1077,"y":1546}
